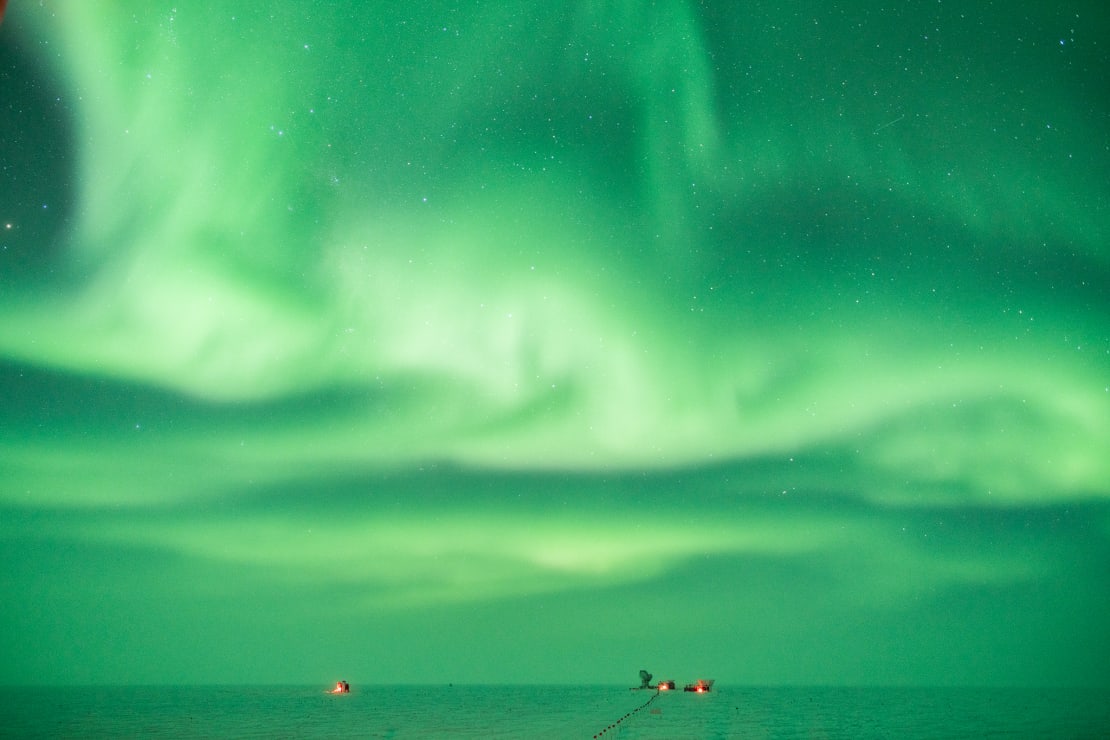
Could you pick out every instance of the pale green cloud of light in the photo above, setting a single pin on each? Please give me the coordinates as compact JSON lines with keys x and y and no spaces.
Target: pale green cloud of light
{"x":315,"y":248}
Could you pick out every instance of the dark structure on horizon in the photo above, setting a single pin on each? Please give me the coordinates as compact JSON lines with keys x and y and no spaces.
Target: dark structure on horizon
{"x":645,"y":683}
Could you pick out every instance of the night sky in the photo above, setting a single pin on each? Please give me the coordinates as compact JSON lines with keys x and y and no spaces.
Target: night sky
{"x":531,"y":342}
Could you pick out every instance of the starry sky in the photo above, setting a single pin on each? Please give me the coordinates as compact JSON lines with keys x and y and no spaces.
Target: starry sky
{"x":540,"y":343}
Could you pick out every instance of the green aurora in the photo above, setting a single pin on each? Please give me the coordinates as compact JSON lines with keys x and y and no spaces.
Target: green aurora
{"x":531,"y":342}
